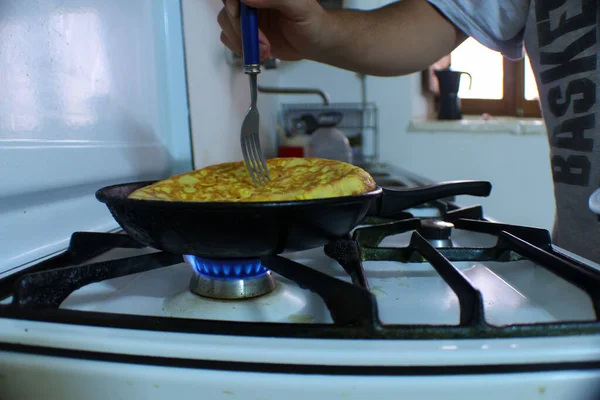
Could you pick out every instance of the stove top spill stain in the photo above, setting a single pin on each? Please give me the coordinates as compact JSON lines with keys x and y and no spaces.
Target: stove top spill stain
{"x":301,"y":319}
{"x":378,"y":291}
{"x":402,"y":281}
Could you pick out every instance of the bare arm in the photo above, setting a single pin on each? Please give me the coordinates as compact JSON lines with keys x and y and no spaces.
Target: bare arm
{"x":397,"y":39}
{"x":401,"y":38}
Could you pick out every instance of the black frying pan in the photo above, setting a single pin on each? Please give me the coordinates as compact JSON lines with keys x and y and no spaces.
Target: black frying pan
{"x":243,"y":230}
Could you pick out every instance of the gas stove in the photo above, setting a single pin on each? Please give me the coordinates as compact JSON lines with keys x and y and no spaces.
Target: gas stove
{"x":435,"y":296}
{"x":439,"y":302}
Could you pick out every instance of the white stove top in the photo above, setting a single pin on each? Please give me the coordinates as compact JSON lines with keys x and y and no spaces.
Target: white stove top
{"x":413,"y":293}
{"x":222,"y":360}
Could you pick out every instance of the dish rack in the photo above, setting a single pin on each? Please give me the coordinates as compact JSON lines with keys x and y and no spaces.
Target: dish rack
{"x":359,"y":124}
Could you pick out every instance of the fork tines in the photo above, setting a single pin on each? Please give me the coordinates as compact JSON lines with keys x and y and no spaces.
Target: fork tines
{"x":255,"y":161}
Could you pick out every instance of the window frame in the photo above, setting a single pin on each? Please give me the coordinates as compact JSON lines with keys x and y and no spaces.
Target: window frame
{"x":513,"y":102}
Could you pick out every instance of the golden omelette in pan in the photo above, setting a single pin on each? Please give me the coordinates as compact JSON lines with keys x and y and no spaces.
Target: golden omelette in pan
{"x":291,"y":179}
{"x":216,"y":212}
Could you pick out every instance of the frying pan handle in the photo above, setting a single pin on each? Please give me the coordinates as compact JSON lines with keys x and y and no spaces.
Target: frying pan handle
{"x":393,"y":201}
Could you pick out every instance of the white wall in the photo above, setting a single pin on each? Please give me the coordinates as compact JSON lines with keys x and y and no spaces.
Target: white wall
{"x":342,"y":86}
{"x":219,"y":95}
{"x":517,"y":166}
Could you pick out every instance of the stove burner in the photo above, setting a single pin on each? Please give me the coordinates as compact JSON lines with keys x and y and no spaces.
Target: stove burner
{"x":39,"y":292}
{"x":229,"y":279}
{"x":436,"y":232}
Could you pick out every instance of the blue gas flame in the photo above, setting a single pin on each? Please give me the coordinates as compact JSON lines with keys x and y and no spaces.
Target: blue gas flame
{"x":226,"y":268}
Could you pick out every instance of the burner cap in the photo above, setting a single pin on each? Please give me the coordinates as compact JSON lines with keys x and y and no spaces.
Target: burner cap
{"x":435,"y":230}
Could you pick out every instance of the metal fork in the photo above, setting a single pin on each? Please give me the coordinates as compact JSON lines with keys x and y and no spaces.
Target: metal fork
{"x":253,"y":156}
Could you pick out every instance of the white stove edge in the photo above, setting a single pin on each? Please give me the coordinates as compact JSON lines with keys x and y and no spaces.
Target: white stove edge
{"x":79,"y":379}
{"x":348,"y":352}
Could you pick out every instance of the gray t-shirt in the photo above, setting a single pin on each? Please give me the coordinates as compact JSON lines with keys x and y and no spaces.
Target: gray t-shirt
{"x":561,"y":39}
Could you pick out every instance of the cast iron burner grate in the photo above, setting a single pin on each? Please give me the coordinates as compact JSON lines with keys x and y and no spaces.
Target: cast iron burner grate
{"x":38,"y":291}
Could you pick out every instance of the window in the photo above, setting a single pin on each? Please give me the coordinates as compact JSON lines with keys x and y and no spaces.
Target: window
{"x":499,"y":87}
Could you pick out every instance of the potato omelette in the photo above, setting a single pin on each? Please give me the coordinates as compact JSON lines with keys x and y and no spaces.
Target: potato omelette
{"x":291,"y":179}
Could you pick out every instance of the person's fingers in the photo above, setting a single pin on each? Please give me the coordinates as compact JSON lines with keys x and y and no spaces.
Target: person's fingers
{"x":264,"y":45}
{"x":233,"y":7}
{"x":264,"y":49}
{"x":230,"y":45}
{"x":232,"y":30}
{"x":228,"y":20}
{"x":234,"y":20}
{"x":295,"y":9}
{"x":233,"y":38}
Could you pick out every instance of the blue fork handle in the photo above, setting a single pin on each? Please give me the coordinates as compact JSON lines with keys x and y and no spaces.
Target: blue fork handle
{"x":249,"y":27}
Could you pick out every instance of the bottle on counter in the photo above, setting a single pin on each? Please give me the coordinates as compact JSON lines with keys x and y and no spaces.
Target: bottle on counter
{"x":295,"y":142}
{"x":328,"y":141}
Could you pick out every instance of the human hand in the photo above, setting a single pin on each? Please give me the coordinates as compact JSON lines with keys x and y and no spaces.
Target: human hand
{"x":288,"y":29}
{"x":400,"y":38}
